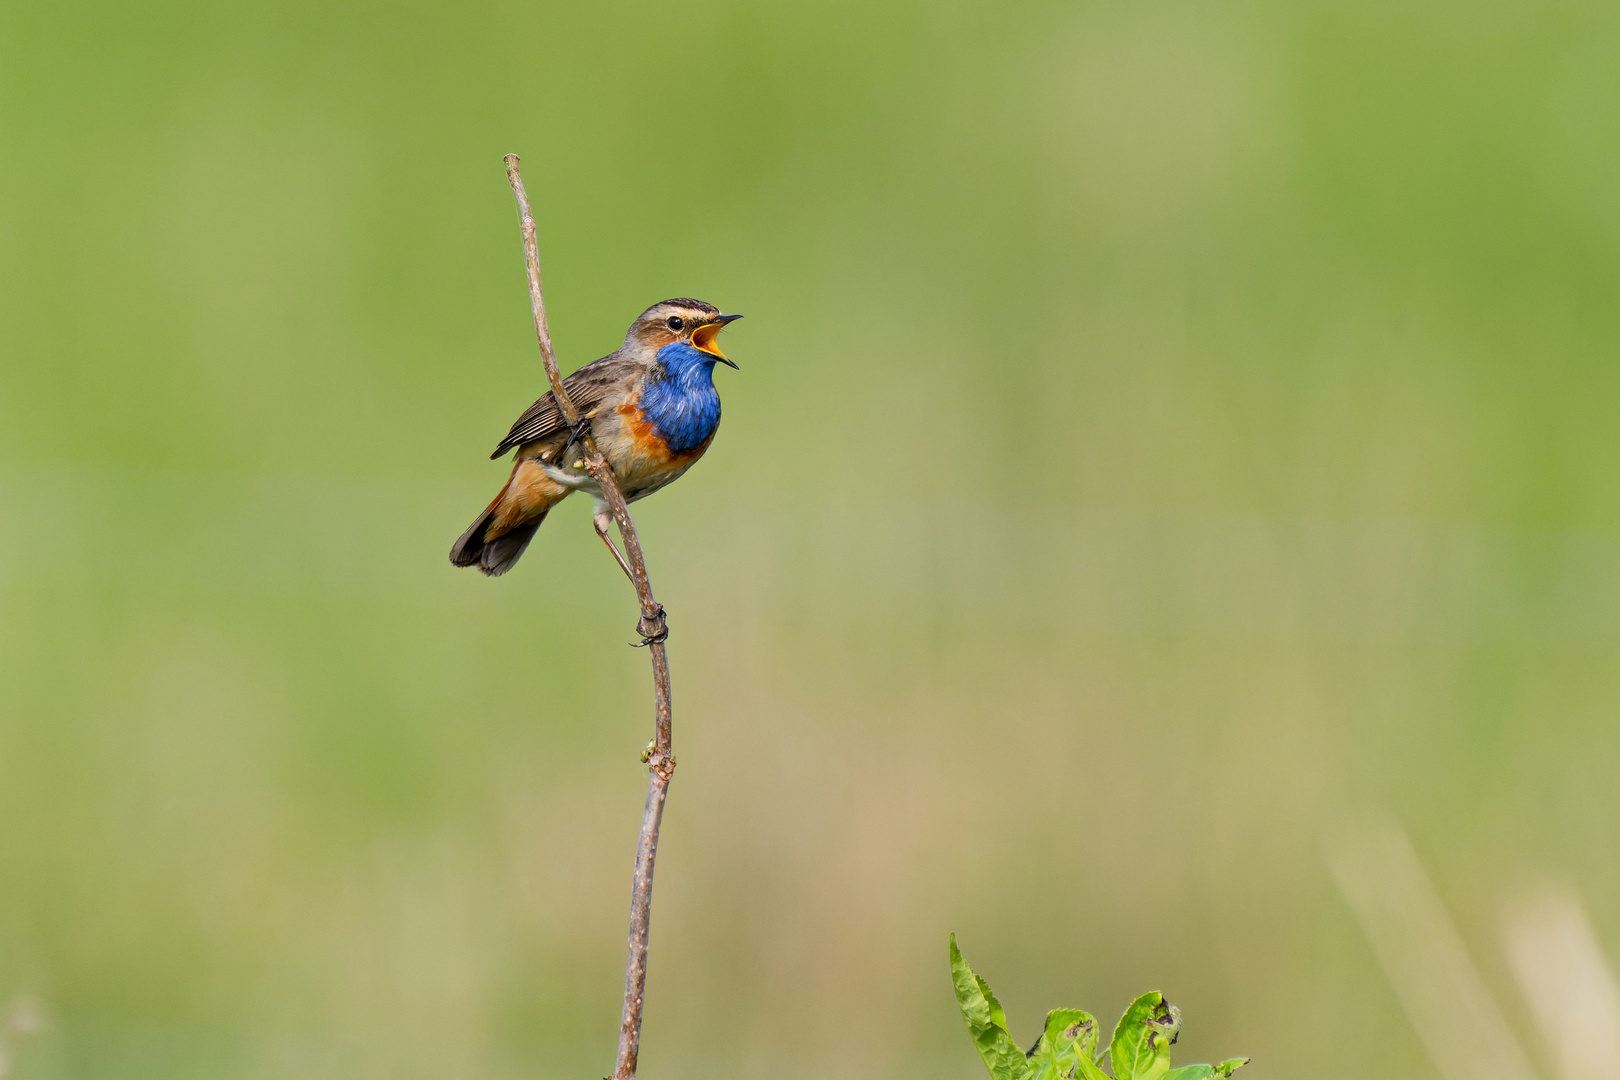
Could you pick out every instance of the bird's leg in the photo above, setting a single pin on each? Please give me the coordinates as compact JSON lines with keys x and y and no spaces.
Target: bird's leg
{"x":601,"y":519}
{"x":660,"y":629}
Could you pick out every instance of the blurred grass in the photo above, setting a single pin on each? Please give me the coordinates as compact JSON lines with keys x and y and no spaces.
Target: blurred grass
{"x":1164,"y":429}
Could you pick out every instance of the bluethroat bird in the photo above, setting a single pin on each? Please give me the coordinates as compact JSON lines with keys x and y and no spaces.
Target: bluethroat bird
{"x":652,"y":409}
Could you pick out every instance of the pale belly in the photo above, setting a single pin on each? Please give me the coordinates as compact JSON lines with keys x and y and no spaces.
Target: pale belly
{"x":640,"y":461}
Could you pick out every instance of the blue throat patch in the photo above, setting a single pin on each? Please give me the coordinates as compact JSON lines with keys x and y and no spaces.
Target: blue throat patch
{"x":683,"y":406}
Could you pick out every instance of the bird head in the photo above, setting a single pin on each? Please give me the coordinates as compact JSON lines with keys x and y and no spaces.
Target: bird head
{"x":691,"y":321}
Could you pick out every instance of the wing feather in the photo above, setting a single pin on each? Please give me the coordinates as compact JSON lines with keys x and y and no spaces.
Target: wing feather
{"x":587,"y":388}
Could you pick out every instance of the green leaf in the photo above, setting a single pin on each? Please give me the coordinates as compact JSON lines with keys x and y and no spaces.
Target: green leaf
{"x":986,"y":1021}
{"x":1069,"y":1039}
{"x":1140,"y":1048}
{"x":1089,"y":1070}
{"x":1207,"y":1072}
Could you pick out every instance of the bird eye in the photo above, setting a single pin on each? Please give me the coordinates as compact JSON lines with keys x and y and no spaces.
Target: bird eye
{"x":675,"y":322}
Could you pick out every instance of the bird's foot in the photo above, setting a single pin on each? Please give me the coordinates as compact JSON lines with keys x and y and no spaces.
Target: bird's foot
{"x":581,"y":428}
{"x":659,"y":629}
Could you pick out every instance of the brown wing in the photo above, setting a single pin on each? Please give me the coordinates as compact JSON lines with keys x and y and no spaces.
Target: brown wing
{"x":587,"y":388}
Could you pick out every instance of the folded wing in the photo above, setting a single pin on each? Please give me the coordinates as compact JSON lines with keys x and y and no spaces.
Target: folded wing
{"x":587,"y":388}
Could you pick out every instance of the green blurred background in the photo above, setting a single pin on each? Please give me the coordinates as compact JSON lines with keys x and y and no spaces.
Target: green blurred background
{"x":1165,"y":430}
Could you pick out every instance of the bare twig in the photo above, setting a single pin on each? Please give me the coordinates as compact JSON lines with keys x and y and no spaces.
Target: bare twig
{"x":660,"y":759}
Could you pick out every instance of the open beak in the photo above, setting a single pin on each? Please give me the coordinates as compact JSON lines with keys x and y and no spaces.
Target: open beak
{"x":703,"y":338}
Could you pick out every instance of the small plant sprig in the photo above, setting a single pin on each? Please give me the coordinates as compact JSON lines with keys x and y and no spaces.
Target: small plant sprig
{"x":1068,"y":1050}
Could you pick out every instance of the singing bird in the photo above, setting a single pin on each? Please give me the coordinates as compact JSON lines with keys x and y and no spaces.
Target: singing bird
{"x":652,"y":409}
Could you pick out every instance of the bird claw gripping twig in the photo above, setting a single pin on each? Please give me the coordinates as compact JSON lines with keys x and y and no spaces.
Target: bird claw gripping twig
{"x":658,"y":635}
{"x":577,"y":433}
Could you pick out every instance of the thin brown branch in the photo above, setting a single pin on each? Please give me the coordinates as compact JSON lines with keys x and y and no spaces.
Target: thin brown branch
{"x":660,"y":758}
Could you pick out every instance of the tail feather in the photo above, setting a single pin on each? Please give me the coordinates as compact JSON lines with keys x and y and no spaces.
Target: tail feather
{"x":493,"y":557}
{"x":501,"y":554}
{"x":500,"y":534}
{"x":470,"y":547}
